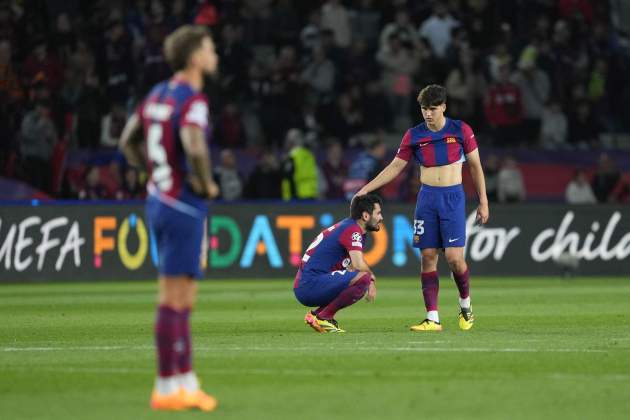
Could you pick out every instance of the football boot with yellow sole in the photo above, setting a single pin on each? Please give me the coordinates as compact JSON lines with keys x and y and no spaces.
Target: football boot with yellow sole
{"x":427,"y":325}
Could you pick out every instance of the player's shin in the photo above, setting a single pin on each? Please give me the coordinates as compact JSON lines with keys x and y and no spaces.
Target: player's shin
{"x":430,"y":289}
{"x":462,"y":280}
{"x":167,"y":334}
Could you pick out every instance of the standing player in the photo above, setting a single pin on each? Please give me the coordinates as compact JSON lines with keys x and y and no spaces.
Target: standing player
{"x":439,"y":145}
{"x":333,"y":273}
{"x":174,"y":120}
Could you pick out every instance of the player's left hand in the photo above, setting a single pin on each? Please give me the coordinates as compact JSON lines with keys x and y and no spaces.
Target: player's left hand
{"x":370,"y":296}
{"x":483,"y":213}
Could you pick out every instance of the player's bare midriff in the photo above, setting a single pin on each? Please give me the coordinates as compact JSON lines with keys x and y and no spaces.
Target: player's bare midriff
{"x":441,"y":176}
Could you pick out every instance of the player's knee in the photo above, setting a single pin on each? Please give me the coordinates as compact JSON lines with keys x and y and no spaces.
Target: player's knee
{"x":363,"y":277}
{"x":429,"y":259}
{"x":457,"y":263}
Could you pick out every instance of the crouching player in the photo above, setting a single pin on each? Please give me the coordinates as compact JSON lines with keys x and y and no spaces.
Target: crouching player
{"x":333,"y":273}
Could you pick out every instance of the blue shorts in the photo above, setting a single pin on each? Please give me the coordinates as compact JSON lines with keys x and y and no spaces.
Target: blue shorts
{"x":180,"y":238}
{"x":315,"y":289}
{"x":440,"y":217}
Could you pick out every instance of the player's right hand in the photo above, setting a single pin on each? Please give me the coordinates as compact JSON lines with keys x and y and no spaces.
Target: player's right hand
{"x":370,"y":296}
{"x":213,"y":189}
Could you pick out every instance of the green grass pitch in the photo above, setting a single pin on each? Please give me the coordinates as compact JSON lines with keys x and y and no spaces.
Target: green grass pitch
{"x":541,"y":349}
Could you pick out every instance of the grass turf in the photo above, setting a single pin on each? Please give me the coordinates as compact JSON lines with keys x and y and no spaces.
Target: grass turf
{"x":541,"y":348}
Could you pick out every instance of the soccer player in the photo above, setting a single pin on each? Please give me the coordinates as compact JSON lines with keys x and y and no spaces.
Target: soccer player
{"x":174,"y":119}
{"x":439,"y":145}
{"x":333,"y":273}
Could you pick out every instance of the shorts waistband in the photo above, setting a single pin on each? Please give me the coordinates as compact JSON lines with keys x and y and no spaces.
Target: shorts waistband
{"x":450,"y":188}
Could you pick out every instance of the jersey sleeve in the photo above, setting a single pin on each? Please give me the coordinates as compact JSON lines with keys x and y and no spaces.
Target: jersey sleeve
{"x":352,"y":239}
{"x":470,"y":143}
{"x":195,"y":112}
{"x":404,"y":151}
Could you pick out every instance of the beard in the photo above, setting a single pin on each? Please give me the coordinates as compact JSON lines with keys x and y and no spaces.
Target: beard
{"x":372,"y":226}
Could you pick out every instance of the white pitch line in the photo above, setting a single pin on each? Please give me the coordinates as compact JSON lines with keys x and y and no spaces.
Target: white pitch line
{"x":303,"y":372}
{"x":311,"y":348}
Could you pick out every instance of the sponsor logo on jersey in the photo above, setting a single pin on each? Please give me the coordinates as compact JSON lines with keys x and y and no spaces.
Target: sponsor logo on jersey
{"x":451,"y":140}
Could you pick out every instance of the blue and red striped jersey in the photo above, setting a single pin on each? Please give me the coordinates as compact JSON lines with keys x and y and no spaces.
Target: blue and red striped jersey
{"x":438,"y":148}
{"x":330,"y":249}
{"x":171,"y":105}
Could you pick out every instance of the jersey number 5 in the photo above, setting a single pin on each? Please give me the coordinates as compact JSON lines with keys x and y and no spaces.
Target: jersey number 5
{"x":161,"y":173}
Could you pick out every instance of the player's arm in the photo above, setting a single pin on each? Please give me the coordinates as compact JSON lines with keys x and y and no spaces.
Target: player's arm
{"x":358,"y":262}
{"x":196,"y":149}
{"x":131,"y":141}
{"x":476,"y":171}
{"x":390,"y":172}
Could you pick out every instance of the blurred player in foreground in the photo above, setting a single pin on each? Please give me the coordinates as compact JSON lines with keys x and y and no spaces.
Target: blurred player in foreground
{"x":439,"y":145}
{"x":333,"y":273}
{"x":174,"y":118}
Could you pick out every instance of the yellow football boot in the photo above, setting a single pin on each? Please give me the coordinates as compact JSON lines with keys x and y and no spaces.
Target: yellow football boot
{"x":427,"y":325}
{"x":330,"y":325}
{"x":466,"y":319}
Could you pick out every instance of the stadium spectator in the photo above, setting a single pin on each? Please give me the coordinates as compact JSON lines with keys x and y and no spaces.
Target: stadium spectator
{"x":310,"y":35}
{"x":319,"y":77}
{"x":235,"y":60}
{"x":93,"y":188}
{"x":535,"y":90}
{"x":41,"y":64}
{"x":112,"y":125}
{"x":400,"y":27}
{"x":265,"y":180}
{"x":466,"y":87}
{"x":365,"y":21}
{"x":375,"y":107}
{"x":437,"y":28}
{"x":579,"y":190}
{"x":584,"y":128}
{"x":346,"y":120}
{"x":227,"y":177}
{"x":504,"y":108}
{"x":335,"y":169}
{"x":554,"y":128}
{"x":399,"y":62}
{"x":605,"y":179}
{"x":131,"y":188}
{"x":299,"y":169}
{"x":336,"y":18}
{"x":366,"y":165}
{"x":38,"y":137}
{"x":510,"y":183}
{"x":229,"y":127}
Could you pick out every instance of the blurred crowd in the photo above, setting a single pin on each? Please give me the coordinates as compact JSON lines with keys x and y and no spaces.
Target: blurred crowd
{"x":313,"y":91}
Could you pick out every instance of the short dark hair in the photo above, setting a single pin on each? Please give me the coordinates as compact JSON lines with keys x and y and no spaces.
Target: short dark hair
{"x":432,"y":95}
{"x":364,"y":203}
{"x":182,"y":43}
